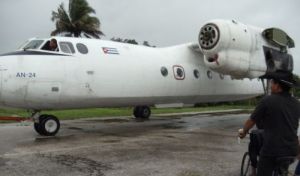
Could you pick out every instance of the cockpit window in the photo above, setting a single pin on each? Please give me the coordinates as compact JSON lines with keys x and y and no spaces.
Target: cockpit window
{"x":82,"y":48}
{"x":67,"y":47}
{"x":34,"y":44}
{"x":23,"y":44}
{"x":51,"y":45}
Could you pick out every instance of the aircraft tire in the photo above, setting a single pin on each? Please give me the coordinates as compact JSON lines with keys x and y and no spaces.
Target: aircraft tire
{"x":145,"y":112}
{"x":49,"y":125}
{"x":136,"y":111}
{"x":37,"y":126}
{"x":142,"y":112}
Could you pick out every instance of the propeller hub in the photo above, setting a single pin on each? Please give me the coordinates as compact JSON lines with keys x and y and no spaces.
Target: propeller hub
{"x":209,"y":36}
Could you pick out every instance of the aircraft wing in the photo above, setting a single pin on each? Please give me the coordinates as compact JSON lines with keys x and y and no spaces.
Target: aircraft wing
{"x":195,"y":47}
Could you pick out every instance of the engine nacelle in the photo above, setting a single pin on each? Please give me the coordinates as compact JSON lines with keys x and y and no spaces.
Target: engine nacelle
{"x":244,"y":51}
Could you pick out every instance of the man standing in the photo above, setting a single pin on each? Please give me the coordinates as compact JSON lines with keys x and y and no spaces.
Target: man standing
{"x":280,"y":114}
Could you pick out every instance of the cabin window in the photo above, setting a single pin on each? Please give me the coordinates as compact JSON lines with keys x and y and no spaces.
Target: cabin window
{"x":178,"y":72}
{"x":67,"y":47}
{"x":34,"y":44}
{"x":82,"y":48}
{"x":221,"y":76}
{"x":209,"y":74}
{"x":164,"y":71}
{"x":196,"y":73}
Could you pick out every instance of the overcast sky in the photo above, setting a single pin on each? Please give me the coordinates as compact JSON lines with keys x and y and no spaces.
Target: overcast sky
{"x":161,"y":22}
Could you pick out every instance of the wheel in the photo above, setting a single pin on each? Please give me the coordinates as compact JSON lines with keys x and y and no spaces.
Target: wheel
{"x":143,"y":112}
{"x":136,"y":112}
{"x":37,"y":126}
{"x":245,"y":164}
{"x":49,"y":125}
{"x":275,"y":173}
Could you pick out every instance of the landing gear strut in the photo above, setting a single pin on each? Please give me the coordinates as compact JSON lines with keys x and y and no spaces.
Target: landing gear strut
{"x":143,"y":112}
{"x":45,"y":125}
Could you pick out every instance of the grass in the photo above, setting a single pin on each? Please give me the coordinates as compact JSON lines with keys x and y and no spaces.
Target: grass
{"x":115,"y":112}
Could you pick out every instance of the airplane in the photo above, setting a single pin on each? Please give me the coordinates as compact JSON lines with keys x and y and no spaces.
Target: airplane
{"x":224,"y":65}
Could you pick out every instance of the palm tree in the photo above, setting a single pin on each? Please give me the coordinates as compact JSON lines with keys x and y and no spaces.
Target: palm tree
{"x":77,"y":21}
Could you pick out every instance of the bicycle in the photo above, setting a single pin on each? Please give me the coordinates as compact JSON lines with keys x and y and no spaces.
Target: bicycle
{"x":245,"y":164}
{"x":256,"y":141}
{"x":281,"y":164}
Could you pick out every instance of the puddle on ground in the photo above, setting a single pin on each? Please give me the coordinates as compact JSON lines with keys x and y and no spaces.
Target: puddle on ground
{"x":110,"y":120}
{"x":112,"y":141}
{"x":169,"y":136}
{"x":53,"y":138}
{"x":216,"y":134}
{"x":230,"y":113}
{"x":171,"y":126}
{"x":75,"y":128}
{"x":181,"y":122}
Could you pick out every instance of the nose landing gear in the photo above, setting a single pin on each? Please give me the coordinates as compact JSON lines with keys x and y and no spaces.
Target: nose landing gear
{"x":45,"y":125}
{"x":142,"y":112}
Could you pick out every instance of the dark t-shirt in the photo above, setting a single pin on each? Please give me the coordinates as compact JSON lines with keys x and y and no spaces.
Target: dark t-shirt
{"x":280,"y":116}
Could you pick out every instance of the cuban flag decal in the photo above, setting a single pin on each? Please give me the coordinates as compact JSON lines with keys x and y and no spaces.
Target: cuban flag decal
{"x":108,"y":50}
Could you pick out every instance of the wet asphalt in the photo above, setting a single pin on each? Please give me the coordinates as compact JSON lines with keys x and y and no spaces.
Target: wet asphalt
{"x":198,"y":145}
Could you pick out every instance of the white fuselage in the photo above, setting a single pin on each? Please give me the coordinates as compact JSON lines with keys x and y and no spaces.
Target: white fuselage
{"x":98,"y":79}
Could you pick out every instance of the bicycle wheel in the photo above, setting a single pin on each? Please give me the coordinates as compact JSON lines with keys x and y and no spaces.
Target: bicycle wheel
{"x":245,"y":164}
{"x":275,"y":173}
